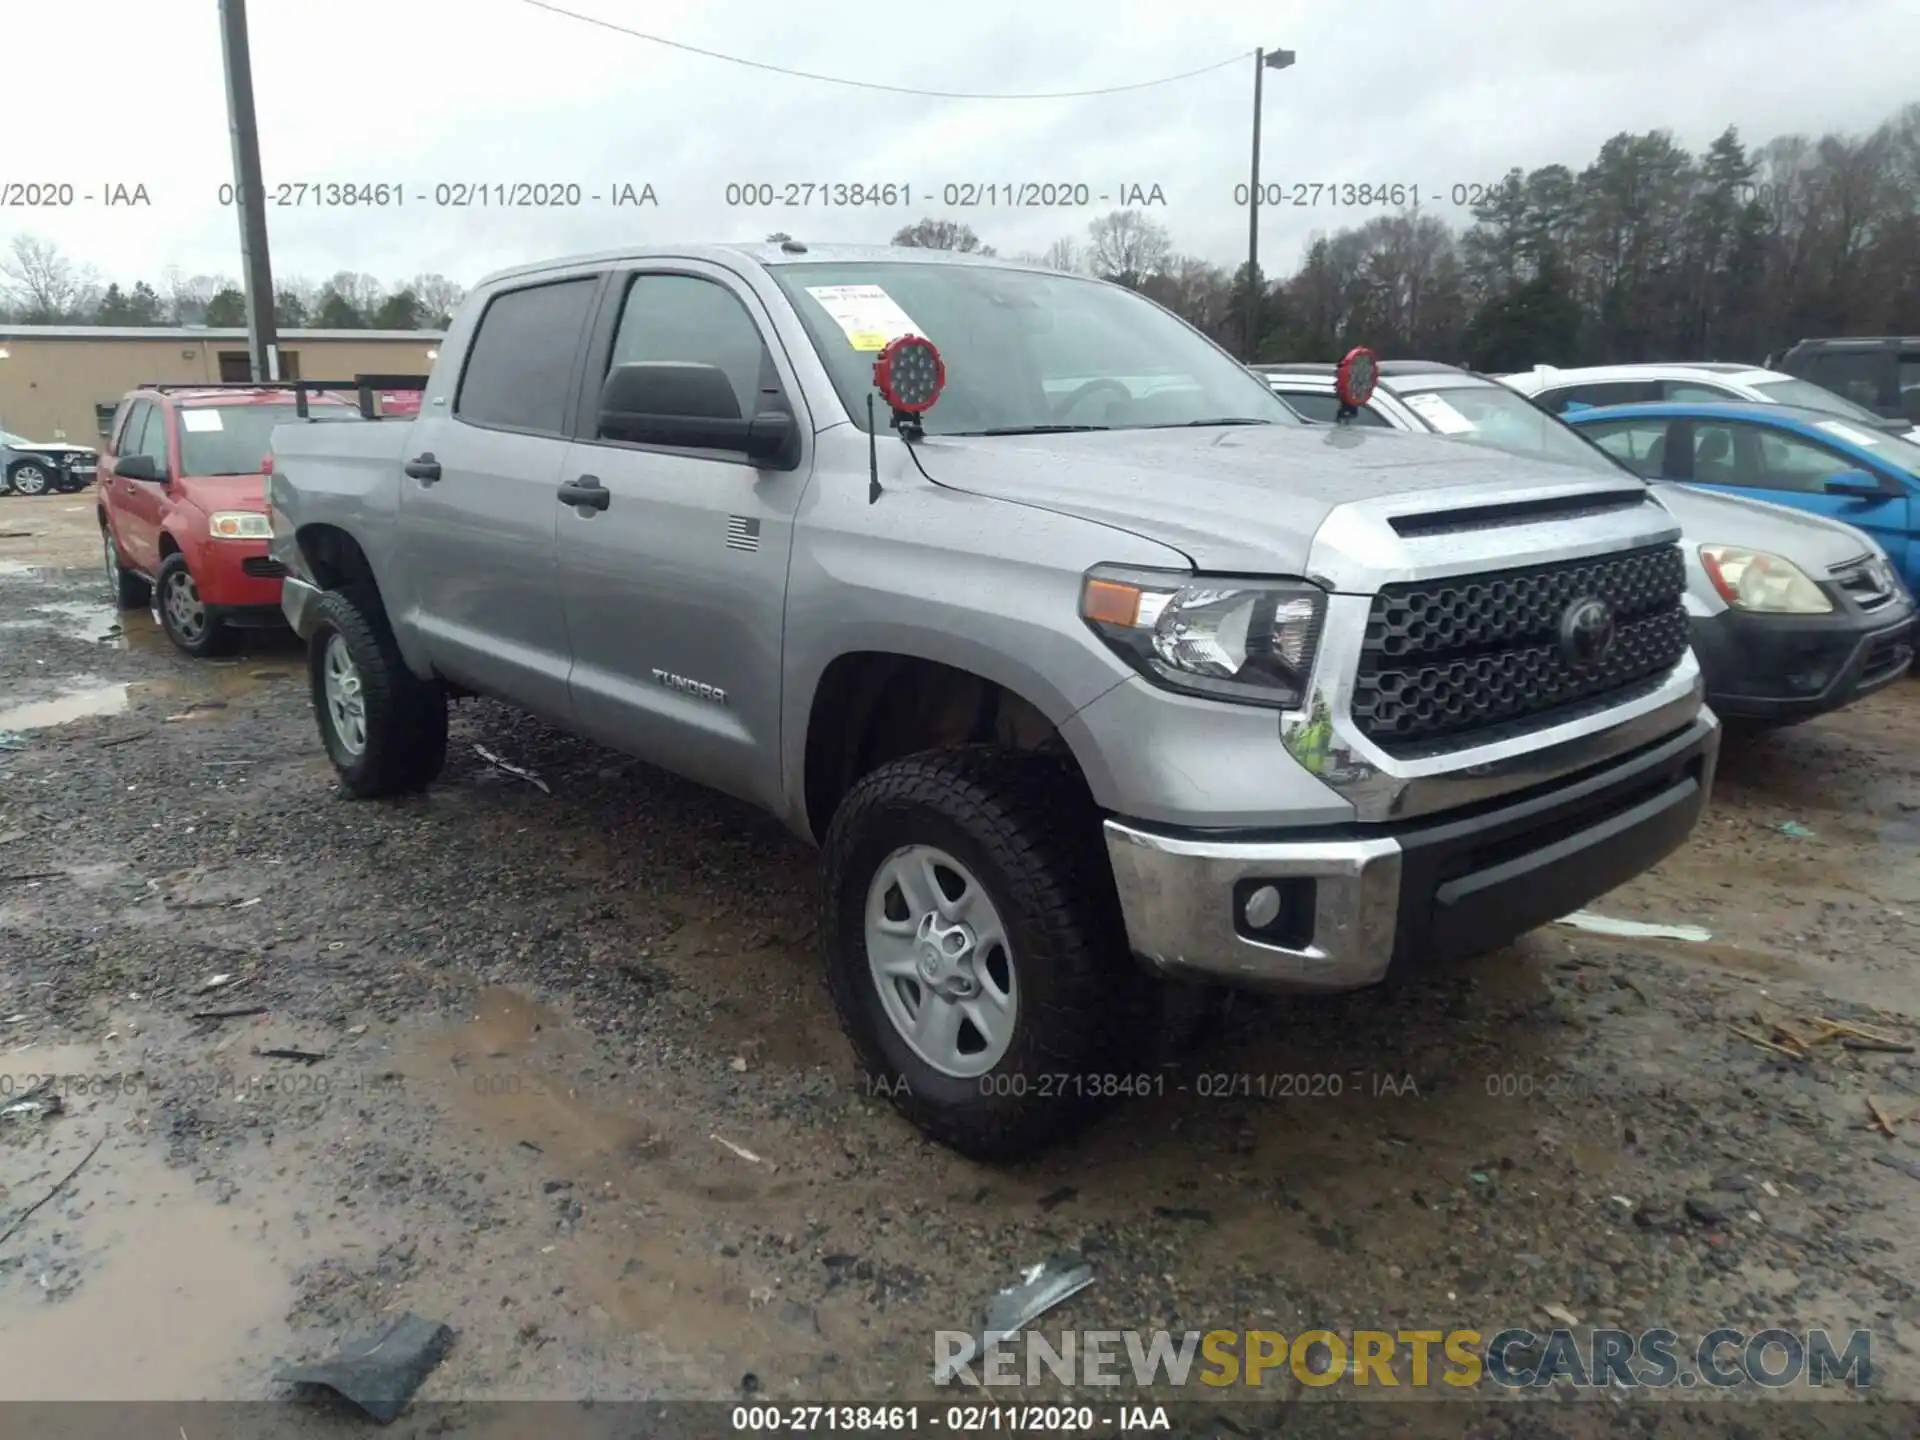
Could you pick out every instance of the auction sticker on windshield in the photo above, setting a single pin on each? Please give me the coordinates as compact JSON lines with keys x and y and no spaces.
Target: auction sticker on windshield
{"x":200,"y":420}
{"x":1848,"y":433}
{"x":866,"y":314}
{"x":1438,"y":413}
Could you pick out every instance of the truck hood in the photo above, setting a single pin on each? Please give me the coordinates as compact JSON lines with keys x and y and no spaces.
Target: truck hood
{"x":1813,"y":542}
{"x":1245,"y":498}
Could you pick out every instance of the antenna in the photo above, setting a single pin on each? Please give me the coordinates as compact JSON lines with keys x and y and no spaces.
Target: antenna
{"x":873,"y":455}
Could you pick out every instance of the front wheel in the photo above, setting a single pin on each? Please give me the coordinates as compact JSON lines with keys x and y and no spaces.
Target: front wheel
{"x":30,"y":477}
{"x":384,"y":727}
{"x":975,"y":951}
{"x":184,"y":615}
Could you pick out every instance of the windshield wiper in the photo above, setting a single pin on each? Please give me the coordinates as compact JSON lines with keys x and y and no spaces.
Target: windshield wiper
{"x":1223,"y":420}
{"x":1033,"y":430}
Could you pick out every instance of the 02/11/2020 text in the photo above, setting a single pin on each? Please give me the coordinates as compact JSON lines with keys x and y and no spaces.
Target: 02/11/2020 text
{"x":454,"y":194}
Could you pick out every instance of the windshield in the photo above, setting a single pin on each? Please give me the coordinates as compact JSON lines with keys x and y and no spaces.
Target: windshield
{"x":1894,"y":450}
{"x":234,"y":439}
{"x":1024,"y":350}
{"x":1814,"y":397}
{"x":1494,"y":415}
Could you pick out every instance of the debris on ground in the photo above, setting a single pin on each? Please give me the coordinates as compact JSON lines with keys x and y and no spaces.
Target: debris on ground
{"x":379,"y":1372}
{"x":1795,"y":829}
{"x":1055,"y":1198}
{"x":1633,"y":929}
{"x":216,"y":982}
{"x":1559,"y":1314}
{"x":39,"y":1101}
{"x":288,"y":1052}
{"x":1880,"y":1119}
{"x":1041,"y":1287}
{"x":740,"y":1150}
{"x":499,"y":764}
{"x":1798,"y":1040}
{"x":234,"y":1013}
{"x":12,"y":740}
{"x":59,"y":1185}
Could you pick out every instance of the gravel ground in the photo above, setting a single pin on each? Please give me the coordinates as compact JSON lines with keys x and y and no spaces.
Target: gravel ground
{"x":551,"y":1023}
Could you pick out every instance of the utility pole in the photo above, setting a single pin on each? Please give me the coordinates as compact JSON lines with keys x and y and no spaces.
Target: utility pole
{"x":263,"y":341}
{"x":1263,"y":61}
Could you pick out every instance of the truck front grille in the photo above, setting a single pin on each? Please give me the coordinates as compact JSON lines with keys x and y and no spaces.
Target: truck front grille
{"x":1445,"y":659}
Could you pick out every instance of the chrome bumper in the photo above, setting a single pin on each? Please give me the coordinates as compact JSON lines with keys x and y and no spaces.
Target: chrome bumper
{"x":299,"y":602}
{"x":1351,"y":908}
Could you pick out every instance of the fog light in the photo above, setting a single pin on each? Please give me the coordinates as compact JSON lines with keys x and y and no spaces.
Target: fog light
{"x":1262,"y":907}
{"x":1275,"y":910}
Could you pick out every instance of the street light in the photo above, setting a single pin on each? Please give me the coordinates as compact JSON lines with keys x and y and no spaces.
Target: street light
{"x":1263,"y":61}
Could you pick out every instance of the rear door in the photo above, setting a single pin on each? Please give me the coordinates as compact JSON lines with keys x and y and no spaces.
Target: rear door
{"x":1788,"y":468}
{"x":477,"y":535}
{"x":676,"y":589}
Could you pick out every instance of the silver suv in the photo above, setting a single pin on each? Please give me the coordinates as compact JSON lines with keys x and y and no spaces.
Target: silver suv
{"x":1066,"y":643}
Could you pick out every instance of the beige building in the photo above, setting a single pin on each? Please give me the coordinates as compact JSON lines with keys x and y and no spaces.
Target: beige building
{"x":62,"y":382}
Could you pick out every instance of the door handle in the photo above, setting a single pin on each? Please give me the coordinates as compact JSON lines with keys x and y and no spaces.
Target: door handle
{"x":587,"y":491}
{"x":423,"y":467}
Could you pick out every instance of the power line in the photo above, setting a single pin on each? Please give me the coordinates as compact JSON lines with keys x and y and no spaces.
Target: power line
{"x":874,"y":85}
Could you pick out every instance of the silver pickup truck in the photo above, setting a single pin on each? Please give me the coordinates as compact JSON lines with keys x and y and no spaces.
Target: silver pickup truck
{"x":1097,"y":673}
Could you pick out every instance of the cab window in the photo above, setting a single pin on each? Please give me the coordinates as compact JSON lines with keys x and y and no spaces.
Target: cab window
{"x":1325,"y":408}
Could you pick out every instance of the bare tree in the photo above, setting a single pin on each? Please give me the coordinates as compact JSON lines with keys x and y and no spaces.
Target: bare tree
{"x":45,"y":286}
{"x":1127,"y":247}
{"x":933,"y":234}
{"x":362,"y":291}
{"x":1063,"y":254}
{"x":439,"y":297}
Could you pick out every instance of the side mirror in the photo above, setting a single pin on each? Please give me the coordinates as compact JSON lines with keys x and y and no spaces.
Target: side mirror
{"x":1857,"y":484}
{"x":690,"y":407}
{"x":140,"y":467}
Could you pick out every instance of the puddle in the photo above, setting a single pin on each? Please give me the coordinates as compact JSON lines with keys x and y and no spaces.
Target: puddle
{"x":76,"y":619}
{"x":64,"y":709}
{"x":129,"y":1261}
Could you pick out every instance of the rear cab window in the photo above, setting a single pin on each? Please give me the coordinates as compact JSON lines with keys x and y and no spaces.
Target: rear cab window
{"x":519,"y":370}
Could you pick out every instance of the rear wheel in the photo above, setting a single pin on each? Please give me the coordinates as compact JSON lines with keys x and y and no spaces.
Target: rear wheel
{"x":128,"y":589}
{"x":975,"y":951}
{"x":184,"y":615}
{"x":384,"y":727}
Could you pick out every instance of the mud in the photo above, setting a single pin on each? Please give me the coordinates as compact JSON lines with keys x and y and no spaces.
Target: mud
{"x":550,"y":1024}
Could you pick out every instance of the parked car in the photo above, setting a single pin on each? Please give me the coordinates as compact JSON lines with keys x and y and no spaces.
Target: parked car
{"x":1880,"y":372}
{"x":1038,"y":665}
{"x":1803,"y":459}
{"x":1704,"y":383}
{"x":182,"y":507}
{"x":1792,"y":615}
{"x":42,"y":467}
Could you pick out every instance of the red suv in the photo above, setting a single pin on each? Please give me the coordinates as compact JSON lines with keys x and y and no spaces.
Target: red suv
{"x":183,"y":505}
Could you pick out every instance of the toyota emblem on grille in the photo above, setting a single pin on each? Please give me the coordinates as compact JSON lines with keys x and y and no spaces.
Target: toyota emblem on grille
{"x":1586,"y":632}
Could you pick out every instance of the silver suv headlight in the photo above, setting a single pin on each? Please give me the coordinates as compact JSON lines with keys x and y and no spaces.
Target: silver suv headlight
{"x":1251,"y":641}
{"x":1763,"y":583}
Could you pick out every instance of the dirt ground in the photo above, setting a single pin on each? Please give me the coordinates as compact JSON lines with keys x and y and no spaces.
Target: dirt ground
{"x":551,"y":1023}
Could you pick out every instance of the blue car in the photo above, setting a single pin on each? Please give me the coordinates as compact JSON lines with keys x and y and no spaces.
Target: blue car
{"x":1804,"y":459}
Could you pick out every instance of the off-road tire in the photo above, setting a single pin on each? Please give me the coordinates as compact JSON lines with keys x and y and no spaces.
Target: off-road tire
{"x":130,"y":590}
{"x":406,"y":717}
{"x":1026,"y":827}
{"x":216,"y":637}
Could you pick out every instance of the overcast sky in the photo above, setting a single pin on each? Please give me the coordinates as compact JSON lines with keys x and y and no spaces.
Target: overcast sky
{"x":442,"y":92}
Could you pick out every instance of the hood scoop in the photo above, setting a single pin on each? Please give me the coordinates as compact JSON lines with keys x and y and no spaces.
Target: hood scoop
{"x":1518,"y":512}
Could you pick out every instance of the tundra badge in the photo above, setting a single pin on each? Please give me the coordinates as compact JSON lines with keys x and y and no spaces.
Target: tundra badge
{"x":691,"y":687}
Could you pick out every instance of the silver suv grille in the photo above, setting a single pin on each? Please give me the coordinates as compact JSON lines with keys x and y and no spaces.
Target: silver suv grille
{"x":1445,"y":661}
{"x":1867,"y":581}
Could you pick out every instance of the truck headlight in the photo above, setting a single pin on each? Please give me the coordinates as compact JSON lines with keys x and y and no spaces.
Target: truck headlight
{"x":1251,"y":641}
{"x":1766,"y":584}
{"x":239,"y":525}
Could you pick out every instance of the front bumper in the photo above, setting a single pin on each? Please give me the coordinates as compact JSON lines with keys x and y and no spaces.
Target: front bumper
{"x":238,"y":577}
{"x":1371,"y":900}
{"x":298,"y":601}
{"x":1793,"y":667}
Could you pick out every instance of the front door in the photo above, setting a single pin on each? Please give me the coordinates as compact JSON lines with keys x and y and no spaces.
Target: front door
{"x":1787,"y":468}
{"x":478,"y":588}
{"x":676,"y":590}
